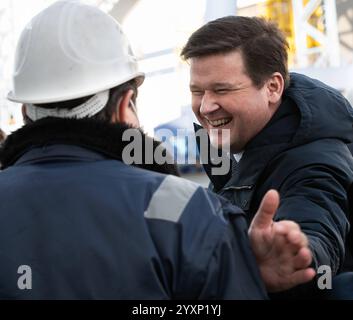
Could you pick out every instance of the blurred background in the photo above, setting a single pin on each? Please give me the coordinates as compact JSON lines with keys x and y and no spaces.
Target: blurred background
{"x":320,"y":34}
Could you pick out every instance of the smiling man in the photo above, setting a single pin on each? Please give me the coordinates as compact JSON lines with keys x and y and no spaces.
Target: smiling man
{"x":220,"y":90}
{"x":287,"y":132}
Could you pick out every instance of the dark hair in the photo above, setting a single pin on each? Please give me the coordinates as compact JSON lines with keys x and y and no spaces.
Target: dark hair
{"x":105,"y":114}
{"x":262,"y":45}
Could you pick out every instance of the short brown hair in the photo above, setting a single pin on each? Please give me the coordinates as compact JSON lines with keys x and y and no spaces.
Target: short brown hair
{"x":262,"y":45}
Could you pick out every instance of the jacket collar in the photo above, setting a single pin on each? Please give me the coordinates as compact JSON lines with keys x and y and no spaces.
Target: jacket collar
{"x":97,"y":138}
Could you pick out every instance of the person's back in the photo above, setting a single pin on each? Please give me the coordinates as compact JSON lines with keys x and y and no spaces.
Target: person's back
{"x":90,"y":226}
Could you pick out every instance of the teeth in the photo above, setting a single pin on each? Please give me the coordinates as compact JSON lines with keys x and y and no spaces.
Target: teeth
{"x":220,"y":122}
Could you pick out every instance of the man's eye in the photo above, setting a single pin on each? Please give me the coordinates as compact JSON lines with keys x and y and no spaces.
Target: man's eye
{"x":197,"y":93}
{"x":222,"y":91}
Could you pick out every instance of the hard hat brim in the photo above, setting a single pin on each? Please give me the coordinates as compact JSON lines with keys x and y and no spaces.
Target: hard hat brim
{"x":139,"y":78}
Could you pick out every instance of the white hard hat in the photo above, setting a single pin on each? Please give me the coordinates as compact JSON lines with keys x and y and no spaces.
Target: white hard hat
{"x":69,"y":51}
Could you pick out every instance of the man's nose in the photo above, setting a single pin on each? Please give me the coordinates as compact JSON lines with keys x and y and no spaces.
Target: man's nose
{"x":208,"y":104}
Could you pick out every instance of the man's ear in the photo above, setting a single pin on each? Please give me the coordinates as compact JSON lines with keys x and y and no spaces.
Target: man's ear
{"x":24,"y":114}
{"x":24,"y":111}
{"x":275,"y":87}
{"x":124,"y":112}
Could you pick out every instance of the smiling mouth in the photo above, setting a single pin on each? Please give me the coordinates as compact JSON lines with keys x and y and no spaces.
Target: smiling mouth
{"x":219,"y":123}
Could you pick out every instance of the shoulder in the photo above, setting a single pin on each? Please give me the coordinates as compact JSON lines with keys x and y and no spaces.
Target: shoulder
{"x":320,"y":158}
{"x":331,"y":152}
{"x":179,"y":200}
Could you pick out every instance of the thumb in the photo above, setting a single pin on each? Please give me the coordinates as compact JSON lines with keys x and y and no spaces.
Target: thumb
{"x":267,"y":210}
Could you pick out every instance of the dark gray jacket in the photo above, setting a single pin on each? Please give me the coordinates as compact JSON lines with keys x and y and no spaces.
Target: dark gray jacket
{"x":91,"y":227}
{"x":302,"y":152}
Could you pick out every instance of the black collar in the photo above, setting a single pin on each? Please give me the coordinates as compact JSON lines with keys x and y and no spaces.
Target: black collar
{"x":104,"y":138}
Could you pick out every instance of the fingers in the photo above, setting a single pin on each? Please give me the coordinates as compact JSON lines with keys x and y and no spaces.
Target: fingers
{"x":302,"y":259}
{"x":290,"y":260}
{"x":298,"y":238}
{"x":267,"y":210}
{"x":292,"y":252}
{"x":287,"y":261}
{"x":300,"y":277}
{"x":294,"y":279}
{"x":285,"y":226}
{"x":292,"y":232}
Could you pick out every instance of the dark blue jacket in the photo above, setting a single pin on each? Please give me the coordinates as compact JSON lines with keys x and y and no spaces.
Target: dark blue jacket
{"x":91,"y":227}
{"x":302,"y":152}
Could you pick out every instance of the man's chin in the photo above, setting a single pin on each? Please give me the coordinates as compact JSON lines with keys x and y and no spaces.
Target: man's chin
{"x":220,"y":141}
{"x":221,"y":146}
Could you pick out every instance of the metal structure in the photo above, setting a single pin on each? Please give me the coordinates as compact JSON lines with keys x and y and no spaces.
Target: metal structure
{"x":311,"y":30}
{"x":312,"y":33}
{"x":316,"y":34}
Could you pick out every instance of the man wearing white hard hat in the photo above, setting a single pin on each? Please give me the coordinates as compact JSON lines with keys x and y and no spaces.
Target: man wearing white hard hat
{"x":79,"y":223}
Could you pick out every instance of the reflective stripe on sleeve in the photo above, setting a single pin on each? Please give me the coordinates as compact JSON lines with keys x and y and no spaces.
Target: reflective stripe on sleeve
{"x":170,"y":199}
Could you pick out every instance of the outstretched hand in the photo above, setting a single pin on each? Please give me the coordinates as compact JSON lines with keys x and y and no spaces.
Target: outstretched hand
{"x":281,"y":248}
